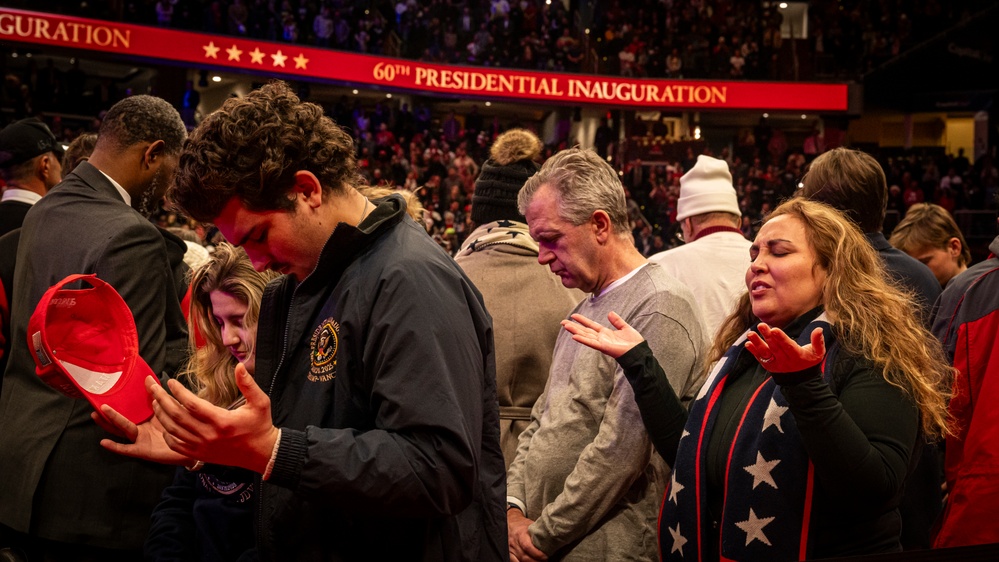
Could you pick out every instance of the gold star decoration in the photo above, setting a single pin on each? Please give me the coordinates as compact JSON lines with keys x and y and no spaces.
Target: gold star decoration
{"x":211,"y":51}
{"x":300,"y":61}
{"x":257,"y":56}
{"x":234,"y":53}
{"x":279,"y":58}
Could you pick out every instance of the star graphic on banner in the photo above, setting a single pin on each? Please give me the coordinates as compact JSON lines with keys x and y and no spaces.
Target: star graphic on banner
{"x":505,"y":223}
{"x":279,"y":58}
{"x":257,"y":56}
{"x":772,"y":417}
{"x":678,"y":540}
{"x":754,"y":528}
{"x":300,"y":61}
{"x":234,"y":53}
{"x":211,"y":51}
{"x":761,"y":471}
{"x":674,"y":489}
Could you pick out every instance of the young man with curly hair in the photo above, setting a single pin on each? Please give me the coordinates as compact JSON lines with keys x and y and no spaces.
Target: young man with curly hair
{"x":372,"y":420}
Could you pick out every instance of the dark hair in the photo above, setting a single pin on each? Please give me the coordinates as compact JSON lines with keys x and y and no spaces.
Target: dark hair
{"x":251,"y":149}
{"x":851,"y":181}
{"x":142,"y":118}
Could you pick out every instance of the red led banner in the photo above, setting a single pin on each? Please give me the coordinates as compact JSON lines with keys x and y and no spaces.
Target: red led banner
{"x":297,"y":62}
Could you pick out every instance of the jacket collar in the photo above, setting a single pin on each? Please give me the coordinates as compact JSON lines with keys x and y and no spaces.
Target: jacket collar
{"x":347,"y":242}
{"x":95,"y":179}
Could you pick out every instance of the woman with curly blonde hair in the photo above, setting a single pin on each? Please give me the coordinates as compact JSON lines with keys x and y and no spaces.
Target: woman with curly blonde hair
{"x":823,"y":386}
{"x":207,"y":513}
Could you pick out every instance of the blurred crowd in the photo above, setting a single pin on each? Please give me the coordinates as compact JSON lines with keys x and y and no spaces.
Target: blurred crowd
{"x":653,"y":38}
{"x":437,"y":156}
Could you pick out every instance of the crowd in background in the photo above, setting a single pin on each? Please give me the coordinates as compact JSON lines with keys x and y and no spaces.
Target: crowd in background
{"x":437,"y":156}
{"x":687,"y":39}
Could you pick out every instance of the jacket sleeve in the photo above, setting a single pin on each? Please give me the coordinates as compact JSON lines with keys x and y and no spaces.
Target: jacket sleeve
{"x":860,"y":441}
{"x":172,"y":533}
{"x":424,"y":356}
{"x":135,"y":263}
{"x":662,"y":413}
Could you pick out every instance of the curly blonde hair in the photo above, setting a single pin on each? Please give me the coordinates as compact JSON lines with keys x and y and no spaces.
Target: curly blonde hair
{"x":413,"y":206}
{"x":874,"y":317}
{"x":210,"y":370}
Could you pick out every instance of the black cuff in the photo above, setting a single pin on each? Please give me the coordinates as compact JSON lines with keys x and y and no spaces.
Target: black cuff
{"x":797,"y":377}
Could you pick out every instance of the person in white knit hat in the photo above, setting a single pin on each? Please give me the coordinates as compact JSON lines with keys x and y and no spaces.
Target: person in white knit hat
{"x":715,"y":256}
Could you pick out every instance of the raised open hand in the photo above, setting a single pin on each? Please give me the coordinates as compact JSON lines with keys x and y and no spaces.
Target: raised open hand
{"x":613,"y":342}
{"x":780,"y":354}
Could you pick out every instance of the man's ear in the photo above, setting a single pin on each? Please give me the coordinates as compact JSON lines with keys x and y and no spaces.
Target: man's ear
{"x":600,"y":223}
{"x":43,"y":167}
{"x":308,"y":187}
{"x":954,"y":247}
{"x":153,"y":154}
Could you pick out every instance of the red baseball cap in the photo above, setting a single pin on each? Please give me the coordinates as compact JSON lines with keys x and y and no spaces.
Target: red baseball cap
{"x":86,"y":346}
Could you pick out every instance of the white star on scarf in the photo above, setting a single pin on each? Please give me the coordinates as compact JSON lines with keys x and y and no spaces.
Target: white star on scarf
{"x":684,"y":434}
{"x":753,"y":528}
{"x":674,"y":489}
{"x":761,"y":471}
{"x":678,"y":540}
{"x":773,"y":415}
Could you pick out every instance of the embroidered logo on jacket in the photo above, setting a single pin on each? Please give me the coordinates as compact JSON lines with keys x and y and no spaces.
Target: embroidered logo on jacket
{"x":225,"y":488}
{"x":324,"y":346}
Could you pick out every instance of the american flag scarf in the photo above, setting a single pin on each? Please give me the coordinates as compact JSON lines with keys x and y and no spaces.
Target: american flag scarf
{"x":769,"y":479}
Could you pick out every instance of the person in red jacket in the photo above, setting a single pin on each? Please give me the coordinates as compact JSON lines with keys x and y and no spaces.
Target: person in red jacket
{"x":967,"y":323}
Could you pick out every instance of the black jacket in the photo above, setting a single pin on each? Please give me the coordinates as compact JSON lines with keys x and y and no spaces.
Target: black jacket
{"x":381,"y":374}
{"x":57,"y":482}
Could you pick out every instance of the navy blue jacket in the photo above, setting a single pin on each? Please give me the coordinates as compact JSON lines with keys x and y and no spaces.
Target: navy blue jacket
{"x":381,"y":374}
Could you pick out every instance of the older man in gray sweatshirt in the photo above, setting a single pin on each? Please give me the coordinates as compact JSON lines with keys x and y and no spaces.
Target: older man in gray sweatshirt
{"x":586,"y":483}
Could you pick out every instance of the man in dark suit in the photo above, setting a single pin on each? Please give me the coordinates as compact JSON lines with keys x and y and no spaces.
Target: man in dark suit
{"x":29,"y":163}
{"x":62,"y":497}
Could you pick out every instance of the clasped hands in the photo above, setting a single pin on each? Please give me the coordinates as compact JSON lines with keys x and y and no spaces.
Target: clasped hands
{"x":521,"y":546}
{"x":185,"y":428}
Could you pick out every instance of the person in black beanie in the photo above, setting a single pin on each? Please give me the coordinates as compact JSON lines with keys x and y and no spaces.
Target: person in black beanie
{"x":525,"y":299}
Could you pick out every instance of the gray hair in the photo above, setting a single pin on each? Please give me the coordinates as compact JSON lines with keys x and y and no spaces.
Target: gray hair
{"x":584,"y":183}
{"x":143,"y":118}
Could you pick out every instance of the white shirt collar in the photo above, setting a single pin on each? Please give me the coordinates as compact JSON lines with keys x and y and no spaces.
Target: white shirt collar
{"x":121,"y":190}
{"x":619,"y":282}
{"x":21,"y":195}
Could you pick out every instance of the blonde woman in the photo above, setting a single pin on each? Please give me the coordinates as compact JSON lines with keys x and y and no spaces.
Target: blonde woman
{"x":207,"y":513}
{"x":824,"y":382}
